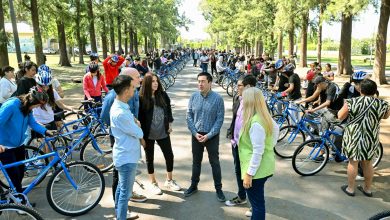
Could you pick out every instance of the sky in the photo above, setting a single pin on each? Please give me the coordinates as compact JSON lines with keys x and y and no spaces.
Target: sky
{"x":364,"y":27}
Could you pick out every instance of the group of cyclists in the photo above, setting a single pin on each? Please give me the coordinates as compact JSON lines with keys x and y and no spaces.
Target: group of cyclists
{"x":39,"y":96}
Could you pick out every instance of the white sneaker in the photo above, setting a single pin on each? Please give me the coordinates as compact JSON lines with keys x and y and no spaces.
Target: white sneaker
{"x":358,"y":177}
{"x":21,"y":212}
{"x":172,"y":185}
{"x":57,"y":179}
{"x":131,"y":215}
{"x":156,"y":190}
{"x":248,"y":213}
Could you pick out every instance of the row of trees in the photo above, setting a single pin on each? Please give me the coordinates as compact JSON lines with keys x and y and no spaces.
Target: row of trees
{"x":119,"y":24}
{"x":264,"y":24}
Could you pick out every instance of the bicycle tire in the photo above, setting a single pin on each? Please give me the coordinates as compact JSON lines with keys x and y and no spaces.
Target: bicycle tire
{"x":281,"y":120}
{"x":286,"y":148}
{"x":379,"y":152}
{"x":88,"y":153}
{"x":381,"y":215}
{"x":312,"y":159}
{"x":230,"y":89}
{"x":30,"y":168}
{"x":10,"y":212}
{"x":70,"y":195}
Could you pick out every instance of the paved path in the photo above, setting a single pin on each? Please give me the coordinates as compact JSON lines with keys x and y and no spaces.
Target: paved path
{"x":288,"y":196}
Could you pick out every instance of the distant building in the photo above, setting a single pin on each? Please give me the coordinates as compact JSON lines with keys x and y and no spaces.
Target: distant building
{"x":26,"y":38}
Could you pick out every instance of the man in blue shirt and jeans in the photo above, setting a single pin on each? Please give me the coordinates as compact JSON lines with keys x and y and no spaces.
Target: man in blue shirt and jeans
{"x":127,"y":148}
{"x":205,"y":116}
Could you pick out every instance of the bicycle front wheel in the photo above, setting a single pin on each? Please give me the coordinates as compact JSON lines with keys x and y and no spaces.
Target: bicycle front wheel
{"x":102,"y":160}
{"x":290,"y":137}
{"x":67,"y":200}
{"x":310,"y":157}
{"x":14,"y":211}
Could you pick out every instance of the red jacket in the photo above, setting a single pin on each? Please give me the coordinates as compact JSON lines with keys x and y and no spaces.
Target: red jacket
{"x":112,"y":71}
{"x":90,"y":89}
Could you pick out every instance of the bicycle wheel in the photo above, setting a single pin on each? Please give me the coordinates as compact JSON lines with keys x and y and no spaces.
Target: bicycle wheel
{"x":290,"y":137}
{"x":12,"y":212}
{"x":310,"y":157}
{"x":31,"y":169}
{"x":385,"y":215}
{"x":378,"y":156}
{"x":67,"y":200}
{"x":103,"y":161}
{"x":281,"y":120}
{"x":230,"y":89}
{"x":100,"y":128}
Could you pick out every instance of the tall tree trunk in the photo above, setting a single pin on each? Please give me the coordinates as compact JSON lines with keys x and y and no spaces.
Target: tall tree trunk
{"x":272,"y":49}
{"x":64,"y":60}
{"x":37,"y":32}
{"x":126,"y":39}
{"x":78,"y":34}
{"x":103,"y":35}
{"x":261,"y":47}
{"x":344,"y":64}
{"x":112,"y":35}
{"x":381,"y":38}
{"x":15,"y":31}
{"x":135,"y":42}
{"x":145,"y":44}
{"x":3,"y":39}
{"x":119,"y":35}
{"x":92,"y":35}
{"x":291,"y":40}
{"x":305,"y":23}
{"x":319,"y":34}
{"x":280,"y":45}
{"x":131,"y":39}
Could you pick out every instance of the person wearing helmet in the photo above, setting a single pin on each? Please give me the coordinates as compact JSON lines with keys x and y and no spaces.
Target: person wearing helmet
{"x":351,"y":89}
{"x":45,"y":113}
{"x":111,"y":67}
{"x":93,"y":83}
{"x":15,"y":117}
{"x":293,"y":92}
{"x":94,"y":57}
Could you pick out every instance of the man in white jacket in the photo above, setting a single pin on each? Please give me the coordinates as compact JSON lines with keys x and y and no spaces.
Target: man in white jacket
{"x":220,"y":69}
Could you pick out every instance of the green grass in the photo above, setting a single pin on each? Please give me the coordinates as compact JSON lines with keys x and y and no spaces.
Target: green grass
{"x":357,"y":61}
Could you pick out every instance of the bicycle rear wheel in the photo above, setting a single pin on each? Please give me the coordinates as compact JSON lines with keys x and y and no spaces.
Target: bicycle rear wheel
{"x":385,"y":215}
{"x":310,"y":157}
{"x":290,"y":137}
{"x":281,"y":120}
{"x":103,"y":161}
{"x":378,"y":156}
{"x":12,"y":212}
{"x":67,"y":200}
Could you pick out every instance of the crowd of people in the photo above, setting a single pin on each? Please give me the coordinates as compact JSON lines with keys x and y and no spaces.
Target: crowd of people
{"x":139,"y":113}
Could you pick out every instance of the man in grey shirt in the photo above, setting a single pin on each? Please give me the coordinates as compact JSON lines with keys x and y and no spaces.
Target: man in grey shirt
{"x":205,"y":116}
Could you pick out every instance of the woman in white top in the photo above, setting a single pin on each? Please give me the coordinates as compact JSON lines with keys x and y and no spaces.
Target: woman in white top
{"x":45,"y":114}
{"x":7,"y":85}
{"x":328,"y":74}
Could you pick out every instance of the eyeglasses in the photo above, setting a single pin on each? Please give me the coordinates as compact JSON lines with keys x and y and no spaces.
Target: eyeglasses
{"x":239,"y":85}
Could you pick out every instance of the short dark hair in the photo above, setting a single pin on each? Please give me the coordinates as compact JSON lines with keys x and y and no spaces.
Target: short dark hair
{"x":368,"y":87}
{"x":121,"y":83}
{"x":249,"y":80}
{"x":208,"y":75}
{"x":6,"y":69}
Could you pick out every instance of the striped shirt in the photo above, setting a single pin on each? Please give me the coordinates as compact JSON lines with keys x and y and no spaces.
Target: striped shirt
{"x":205,"y":113}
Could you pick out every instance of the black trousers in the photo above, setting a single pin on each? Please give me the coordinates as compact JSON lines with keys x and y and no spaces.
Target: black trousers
{"x":115,"y":177}
{"x":212,"y":146}
{"x":166,"y":148}
{"x":16,"y":174}
{"x":214,"y":68}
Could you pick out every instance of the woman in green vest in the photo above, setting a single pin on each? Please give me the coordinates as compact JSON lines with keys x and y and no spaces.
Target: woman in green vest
{"x":258,"y":137}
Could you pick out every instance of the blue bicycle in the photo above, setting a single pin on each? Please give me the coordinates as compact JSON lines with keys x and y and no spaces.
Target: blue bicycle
{"x":312,"y":155}
{"x":73,"y":189}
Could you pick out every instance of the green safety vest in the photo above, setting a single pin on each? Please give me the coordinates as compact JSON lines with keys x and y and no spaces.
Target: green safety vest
{"x":245,"y":151}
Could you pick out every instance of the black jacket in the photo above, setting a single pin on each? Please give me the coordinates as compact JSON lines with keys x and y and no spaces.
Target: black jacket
{"x":145,"y":116}
{"x":236,"y":105}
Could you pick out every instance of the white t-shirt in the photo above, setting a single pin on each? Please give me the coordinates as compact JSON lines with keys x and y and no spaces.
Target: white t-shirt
{"x":7,"y":88}
{"x":55,"y":83}
{"x":46,"y":115}
{"x":95,"y":80}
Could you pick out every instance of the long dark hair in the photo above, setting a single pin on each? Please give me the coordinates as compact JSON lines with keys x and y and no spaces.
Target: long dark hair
{"x":50,"y":93}
{"x":146,"y":93}
{"x":27,"y":101}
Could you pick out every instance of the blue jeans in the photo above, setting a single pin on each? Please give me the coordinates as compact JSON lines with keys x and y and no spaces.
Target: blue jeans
{"x":256,"y":198}
{"x":126,"y":174}
{"x":241,"y":190}
{"x":204,"y":67}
